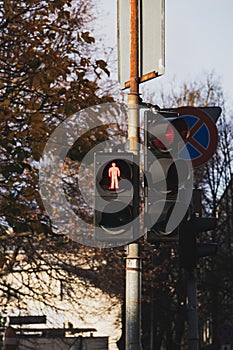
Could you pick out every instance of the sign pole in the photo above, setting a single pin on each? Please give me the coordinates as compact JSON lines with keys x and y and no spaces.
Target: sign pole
{"x":133,"y":260}
{"x":193,"y":337}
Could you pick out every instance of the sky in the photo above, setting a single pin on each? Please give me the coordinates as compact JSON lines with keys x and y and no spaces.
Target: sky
{"x":198,"y":40}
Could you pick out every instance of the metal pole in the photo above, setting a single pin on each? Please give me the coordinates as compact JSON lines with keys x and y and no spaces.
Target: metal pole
{"x":152,"y":309}
{"x":192,"y":312}
{"x":133,"y":261}
{"x":133,"y":298}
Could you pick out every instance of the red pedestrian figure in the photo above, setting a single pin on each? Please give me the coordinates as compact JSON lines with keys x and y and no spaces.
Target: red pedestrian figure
{"x":114,"y":173}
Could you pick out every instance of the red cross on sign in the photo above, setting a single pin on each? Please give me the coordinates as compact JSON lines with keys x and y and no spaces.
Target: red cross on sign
{"x":203,"y":139}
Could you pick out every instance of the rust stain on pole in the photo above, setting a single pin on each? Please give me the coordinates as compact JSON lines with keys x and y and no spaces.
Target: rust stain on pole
{"x":133,"y":97}
{"x":144,"y":77}
{"x":134,"y":49}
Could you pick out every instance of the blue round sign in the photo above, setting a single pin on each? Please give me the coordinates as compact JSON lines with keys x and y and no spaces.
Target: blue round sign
{"x":203,"y":138}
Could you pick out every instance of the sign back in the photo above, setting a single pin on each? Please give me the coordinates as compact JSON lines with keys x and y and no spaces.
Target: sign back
{"x":151,"y":40}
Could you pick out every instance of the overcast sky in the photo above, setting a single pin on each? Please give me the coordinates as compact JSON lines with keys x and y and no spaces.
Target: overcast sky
{"x":198,"y":39}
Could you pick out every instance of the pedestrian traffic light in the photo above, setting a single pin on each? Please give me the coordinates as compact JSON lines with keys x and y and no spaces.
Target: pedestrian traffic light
{"x":116,"y":197}
{"x":168,"y":179}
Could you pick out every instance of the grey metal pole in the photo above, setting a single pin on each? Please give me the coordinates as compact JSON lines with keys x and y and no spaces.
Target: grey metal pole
{"x":133,"y":298}
{"x":193,"y":338}
{"x":133,"y":261}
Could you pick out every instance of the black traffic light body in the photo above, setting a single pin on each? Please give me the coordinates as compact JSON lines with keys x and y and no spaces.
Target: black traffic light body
{"x":168,"y":179}
{"x":116,"y":201}
{"x":190,"y":251}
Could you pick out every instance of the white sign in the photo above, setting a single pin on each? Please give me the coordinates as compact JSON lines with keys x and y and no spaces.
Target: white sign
{"x":151,"y":39}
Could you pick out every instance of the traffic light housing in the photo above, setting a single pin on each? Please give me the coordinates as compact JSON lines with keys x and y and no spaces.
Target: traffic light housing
{"x":168,"y":179}
{"x":190,"y":251}
{"x":116,"y":202}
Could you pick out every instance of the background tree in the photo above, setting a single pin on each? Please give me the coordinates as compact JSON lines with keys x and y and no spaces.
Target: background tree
{"x":49,"y":70}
